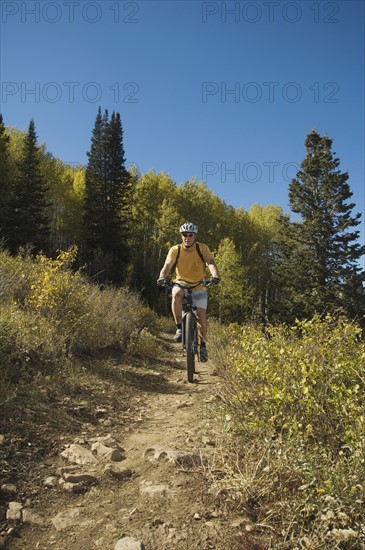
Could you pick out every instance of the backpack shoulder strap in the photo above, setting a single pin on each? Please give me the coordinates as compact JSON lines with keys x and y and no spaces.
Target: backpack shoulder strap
{"x":178,"y":255}
{"x":200,"y":253}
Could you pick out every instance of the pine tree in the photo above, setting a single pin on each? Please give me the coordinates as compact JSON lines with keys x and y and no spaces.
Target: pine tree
{"x":326,"y":249}
{"x":94,"y":177}
{"x":5,"y":182}
{"x":118,"y":205}
{"x":107,"y":201}
{"x":30,"y":220}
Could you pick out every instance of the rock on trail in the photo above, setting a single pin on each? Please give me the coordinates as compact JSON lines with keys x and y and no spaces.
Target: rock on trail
{"x":147,"y":489}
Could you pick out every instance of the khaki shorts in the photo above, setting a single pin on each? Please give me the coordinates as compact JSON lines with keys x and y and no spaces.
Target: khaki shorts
{"x":200,"y":297}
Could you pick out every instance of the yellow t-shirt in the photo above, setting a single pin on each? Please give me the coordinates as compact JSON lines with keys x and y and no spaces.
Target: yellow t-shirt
{"x":190,"y":268}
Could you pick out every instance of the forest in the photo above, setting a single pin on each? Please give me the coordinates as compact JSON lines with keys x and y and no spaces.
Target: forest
{"x":122,"y":224}
{"x":81,"y":250}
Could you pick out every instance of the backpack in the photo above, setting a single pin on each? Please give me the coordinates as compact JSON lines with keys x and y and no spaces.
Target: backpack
{"x":178,"y":254}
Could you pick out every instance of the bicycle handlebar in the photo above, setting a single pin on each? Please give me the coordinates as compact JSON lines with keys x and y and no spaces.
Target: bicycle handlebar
{"x":183,"y":286}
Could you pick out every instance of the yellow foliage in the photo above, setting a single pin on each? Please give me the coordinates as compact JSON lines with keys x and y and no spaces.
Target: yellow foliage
{"x":53,"y":283}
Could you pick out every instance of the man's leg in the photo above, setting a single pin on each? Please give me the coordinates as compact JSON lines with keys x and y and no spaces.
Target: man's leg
{"x":176,"y":304}
{"x":176,"y":308}
{"x":202,"y":316}
{"x":200,"y":298}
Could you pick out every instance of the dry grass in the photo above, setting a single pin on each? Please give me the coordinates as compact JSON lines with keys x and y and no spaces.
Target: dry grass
{"x":50,"y":316}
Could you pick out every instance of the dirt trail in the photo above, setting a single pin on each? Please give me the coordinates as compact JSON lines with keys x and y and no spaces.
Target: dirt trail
{"x":160,"y":494}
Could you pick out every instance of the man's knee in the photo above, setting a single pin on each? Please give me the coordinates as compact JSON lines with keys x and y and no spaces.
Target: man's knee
{"x":201,"y":312}
{"x":177,"y":293}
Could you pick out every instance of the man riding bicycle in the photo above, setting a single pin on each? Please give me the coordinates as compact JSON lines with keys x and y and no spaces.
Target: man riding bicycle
{"x":190,"y":260}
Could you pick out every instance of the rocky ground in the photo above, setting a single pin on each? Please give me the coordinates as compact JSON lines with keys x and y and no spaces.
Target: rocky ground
{"x":134,"y":468}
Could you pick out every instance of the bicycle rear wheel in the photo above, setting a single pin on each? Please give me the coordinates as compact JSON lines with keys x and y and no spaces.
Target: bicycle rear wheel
{"x":189,"y":344}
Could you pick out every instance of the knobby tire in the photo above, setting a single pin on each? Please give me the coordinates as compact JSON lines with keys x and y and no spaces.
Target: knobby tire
{"x":189,"y":344}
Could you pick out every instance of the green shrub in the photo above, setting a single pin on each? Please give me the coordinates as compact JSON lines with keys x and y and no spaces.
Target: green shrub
{"x":293,"y":402}
{"x":306,"y":379}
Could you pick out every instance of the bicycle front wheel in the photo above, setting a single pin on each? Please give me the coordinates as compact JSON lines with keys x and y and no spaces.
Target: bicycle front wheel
{"x":189,"y":345}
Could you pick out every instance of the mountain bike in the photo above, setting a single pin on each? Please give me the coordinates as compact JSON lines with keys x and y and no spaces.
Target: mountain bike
{"x":189,"y":323}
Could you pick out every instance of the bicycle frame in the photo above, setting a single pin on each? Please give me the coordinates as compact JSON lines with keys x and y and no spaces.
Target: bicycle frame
{"x":189,"y":326}
{"x":187,"y":307}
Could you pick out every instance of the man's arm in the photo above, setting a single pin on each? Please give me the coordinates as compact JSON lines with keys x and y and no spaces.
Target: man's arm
{"x":212,"y":267}
{"x":165,"y":271}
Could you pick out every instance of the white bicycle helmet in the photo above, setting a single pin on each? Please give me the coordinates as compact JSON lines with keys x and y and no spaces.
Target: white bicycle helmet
{"x":188,"y":227}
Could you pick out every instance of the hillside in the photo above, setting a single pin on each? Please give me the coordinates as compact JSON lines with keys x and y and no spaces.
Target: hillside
{"x":267,"y":454}
{"x":161,"y":490}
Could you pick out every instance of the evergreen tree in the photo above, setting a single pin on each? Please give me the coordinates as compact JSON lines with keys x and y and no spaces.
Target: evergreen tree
{"x":30,"y":222}
{"x":94,"y":177}
{"x":118,"y":207}
{"x":5,"y":182}
{"x":325,"y":248}
{"x":107,"y":201}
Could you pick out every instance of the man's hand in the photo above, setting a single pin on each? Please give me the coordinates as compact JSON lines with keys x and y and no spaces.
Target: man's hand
{"x":162,"y":281}
{"x":214,"y":281}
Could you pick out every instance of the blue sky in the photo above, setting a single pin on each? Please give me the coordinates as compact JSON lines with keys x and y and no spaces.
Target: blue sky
{"x":221,"y":91}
